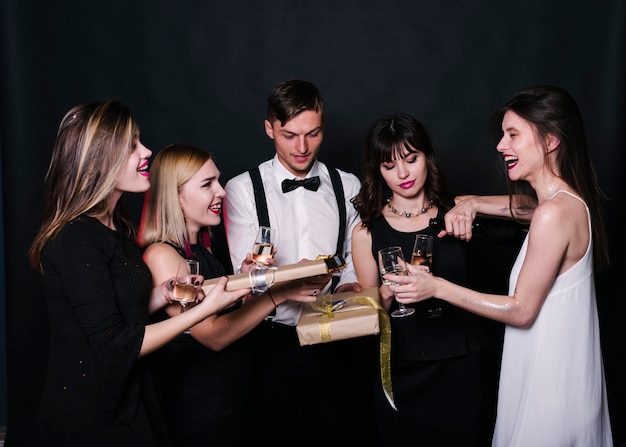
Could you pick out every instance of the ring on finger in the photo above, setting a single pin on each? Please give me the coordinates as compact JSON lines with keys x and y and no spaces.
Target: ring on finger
{"x":314,"y":292}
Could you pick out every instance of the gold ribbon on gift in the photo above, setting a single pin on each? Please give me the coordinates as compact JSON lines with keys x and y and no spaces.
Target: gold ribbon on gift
{"x":328,"y":308}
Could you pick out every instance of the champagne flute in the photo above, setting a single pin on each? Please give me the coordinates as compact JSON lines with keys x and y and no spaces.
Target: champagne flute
{"x":263,"y":248}
{"x":391,"y":260}
{"x":422,"y":250}
{"x":185,"y":291}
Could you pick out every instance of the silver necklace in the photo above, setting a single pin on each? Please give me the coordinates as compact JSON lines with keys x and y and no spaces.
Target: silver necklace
{"x":406,"y":213}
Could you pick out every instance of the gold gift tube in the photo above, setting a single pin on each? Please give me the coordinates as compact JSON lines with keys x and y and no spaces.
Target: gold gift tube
{"x":304,"y":269}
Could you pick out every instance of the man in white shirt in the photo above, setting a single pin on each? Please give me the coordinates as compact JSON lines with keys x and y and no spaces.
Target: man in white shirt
{"x":299,"y":391}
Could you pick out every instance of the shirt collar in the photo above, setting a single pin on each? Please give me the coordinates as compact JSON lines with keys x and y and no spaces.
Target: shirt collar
{"x":282,"y":173}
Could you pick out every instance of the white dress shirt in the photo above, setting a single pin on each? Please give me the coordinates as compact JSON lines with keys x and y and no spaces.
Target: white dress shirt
{"x":307,"y":222}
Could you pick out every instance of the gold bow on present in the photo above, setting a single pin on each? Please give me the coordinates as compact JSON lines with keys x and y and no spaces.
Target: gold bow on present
{"x":328,"y":309}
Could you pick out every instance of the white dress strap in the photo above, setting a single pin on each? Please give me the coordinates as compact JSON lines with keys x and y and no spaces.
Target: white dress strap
{"x":583,"y":202}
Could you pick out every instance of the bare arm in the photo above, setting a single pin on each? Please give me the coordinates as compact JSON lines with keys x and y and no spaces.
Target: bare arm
{"x":460,"y":218}
{"x":366,"y":266}
{"x":157,"y":299}
{"x":548,"y":254}
{"x":218,"y":331}
{"x":158,"y":334}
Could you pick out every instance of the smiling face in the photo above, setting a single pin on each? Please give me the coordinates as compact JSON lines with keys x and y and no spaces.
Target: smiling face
{"x":406,"y":176}
{"x":521,"y":148}
{"x":201,"y":199}
{"x":298,"y":141}
{"x":134,"y":177}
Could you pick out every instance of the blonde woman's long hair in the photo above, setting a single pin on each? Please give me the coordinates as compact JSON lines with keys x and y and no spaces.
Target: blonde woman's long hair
{"x":162,"y":218}
{"x":93,"y":143}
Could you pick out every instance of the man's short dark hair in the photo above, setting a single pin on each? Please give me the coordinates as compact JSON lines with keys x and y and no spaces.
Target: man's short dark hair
{"x":290,"y":98}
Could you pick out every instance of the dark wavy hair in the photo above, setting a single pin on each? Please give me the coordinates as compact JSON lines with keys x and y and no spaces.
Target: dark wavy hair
{"x":388,"y":139}
{"x":551,"y":110}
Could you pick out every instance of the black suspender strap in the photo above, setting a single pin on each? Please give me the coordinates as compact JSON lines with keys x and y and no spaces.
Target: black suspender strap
{"x":341,"y":206}
{"x":261,"y":207}
{"x":263,"y":215}
{"x":259,"y":197}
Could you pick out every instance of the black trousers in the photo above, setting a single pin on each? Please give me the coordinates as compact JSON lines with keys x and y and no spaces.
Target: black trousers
{"x":312,"y":395}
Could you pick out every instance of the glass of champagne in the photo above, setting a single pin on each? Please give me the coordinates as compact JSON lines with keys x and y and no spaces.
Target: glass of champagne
{"x":422,"y":250}
{"x":185,"y":291}
{"x":263,"y":248}
{"x":391,"y":260}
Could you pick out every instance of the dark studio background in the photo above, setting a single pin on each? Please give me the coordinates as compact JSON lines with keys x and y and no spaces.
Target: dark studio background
{"x":198,"y":72}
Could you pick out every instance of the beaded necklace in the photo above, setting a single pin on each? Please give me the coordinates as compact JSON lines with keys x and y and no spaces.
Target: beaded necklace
{"x":406,"y":213}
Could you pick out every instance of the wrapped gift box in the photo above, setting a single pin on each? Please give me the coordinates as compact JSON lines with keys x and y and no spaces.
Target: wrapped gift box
{"x":352,"y":315}
{"x":349,"y":315}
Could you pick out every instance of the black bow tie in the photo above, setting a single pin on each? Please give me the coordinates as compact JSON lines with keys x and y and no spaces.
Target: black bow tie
{"x":311,"y":183}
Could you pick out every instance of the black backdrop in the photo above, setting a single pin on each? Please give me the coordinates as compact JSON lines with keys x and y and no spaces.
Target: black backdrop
{"x":198,"y":71}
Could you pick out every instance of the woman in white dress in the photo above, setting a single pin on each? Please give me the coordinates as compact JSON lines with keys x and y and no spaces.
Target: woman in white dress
{"x":552,"y":390}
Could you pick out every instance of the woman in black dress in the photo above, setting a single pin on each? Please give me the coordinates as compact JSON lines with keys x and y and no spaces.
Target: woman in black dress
{"x":98,"y":289}
{"x":204,"y":376}
{"x":437,"y":364}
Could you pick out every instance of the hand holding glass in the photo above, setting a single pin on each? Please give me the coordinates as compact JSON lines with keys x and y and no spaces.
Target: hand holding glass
{"x":263,"y":248}
{"x":391,"y":260}
{"x":185,"y":290}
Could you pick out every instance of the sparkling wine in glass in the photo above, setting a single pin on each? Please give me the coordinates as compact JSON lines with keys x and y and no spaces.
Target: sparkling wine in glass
{"x":184,"y":288}
{"x":422,"y":250}
{"x":263,"y":248}
{"x":391,"y":260}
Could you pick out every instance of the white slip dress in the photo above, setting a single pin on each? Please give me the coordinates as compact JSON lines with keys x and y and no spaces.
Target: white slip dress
{"x":552,"y":391}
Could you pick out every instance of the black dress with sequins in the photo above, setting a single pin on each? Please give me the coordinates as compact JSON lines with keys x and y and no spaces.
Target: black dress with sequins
{"x":97,"y":391}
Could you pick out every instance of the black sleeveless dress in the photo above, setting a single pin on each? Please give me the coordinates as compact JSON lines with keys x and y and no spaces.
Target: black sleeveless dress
{"x":205,"y":394}
{"x":436,"y":365}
